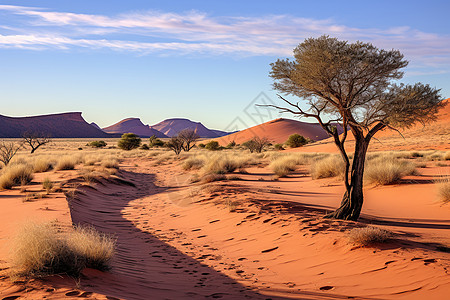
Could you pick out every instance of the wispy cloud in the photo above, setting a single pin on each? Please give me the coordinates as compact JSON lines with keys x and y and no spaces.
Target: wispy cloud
{"x":195,"y":32}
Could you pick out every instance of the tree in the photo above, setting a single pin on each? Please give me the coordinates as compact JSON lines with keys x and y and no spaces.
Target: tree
{"x":175,"y":144}
{"x":256,"y":144}
{"x":129,"y":141}
{"x":35,"y":140}
{"x":7,"y":151}
{"x":296,"y":140}
{"x":353,"y":84}
{"x":189,"y":137}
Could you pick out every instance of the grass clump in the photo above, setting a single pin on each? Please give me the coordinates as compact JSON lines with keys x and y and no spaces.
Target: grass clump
{"x":16,"y":175}
{"x":110,"y":162}
{"x":330,"y":166}
{"x":96,"y":248}
{"x":213,"y":177}
{"x":66,"y":163}
{"x":193,"y":163}
{"x":284,"y":165}
{"x":47,"y":184}
{"x":42,"y":164}
{"x":387,"y":170}
{"x":369,"y":235}
{"x":40,"y":249}
{"x":443,"y":186}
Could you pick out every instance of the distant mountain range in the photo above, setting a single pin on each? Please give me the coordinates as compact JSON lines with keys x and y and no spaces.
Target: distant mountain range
{"x":64,"y":125}
{"x":166,"y":128}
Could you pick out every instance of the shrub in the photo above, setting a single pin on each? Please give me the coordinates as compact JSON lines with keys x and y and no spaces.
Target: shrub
{"x":256,"y":144}
{"x":145,"y":147}
{"x":97,"y":144}
{"x":110,"y":162}
{"x":175,"y":144}
{"x":220,"y":164}
{"x":16,"y":175}
{"x":296,"y":140}
{"x":369,"y":235}
{"x":96,"y":248}
{"x":387,"y":170}
{"x":331,"y":166}
{"x":66,"y":163}
{"x":278,"y":147}
{"x":39,"y":249}
{"x":129,"y":141}
{"x":155,"y":142}
{"x":212,"y":145}
{"x":213,"y":177}
{"x":201,"y":145}
{"x":231,"y":145}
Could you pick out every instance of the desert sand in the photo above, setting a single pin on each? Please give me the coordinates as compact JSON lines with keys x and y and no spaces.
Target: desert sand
{"x":250,"y":237}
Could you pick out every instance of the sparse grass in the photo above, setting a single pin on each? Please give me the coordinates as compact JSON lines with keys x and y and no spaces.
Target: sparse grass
{"x":443,"y":186}
{"x":33,"y":196}
{"x":284,"y":165}
{"x":47,"y":184}
{"x":369,"y":235}
{"x":42,"y":164}
{"x":40,"y":249}
{"x":96,"y":248}
{"x":66,"y":163}
{"x":330,"y":166}
{"x":385,"y":170}
{"x":213,"y":177}
{"x":110,"y":162}
{"x":16,"y":174}
{"x":193,"y":163}
{"x":232,"y":205}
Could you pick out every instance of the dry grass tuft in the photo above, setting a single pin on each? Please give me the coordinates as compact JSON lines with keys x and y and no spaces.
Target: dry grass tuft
{"x":284,"y":165}
{"x":387,"y":170}
{"x":66,"y":163}
{"x":40,"y":249}
{"x":42,"y":164}
{"x":17,"y":174}
{"x":47,"y":184}
{"x":331,"y":166}
{"x":213,"y":177}
{"x":193,"y":163}
{"x":443,"y":186}
{"x":96,"y":248}
{"x":369,"y":235}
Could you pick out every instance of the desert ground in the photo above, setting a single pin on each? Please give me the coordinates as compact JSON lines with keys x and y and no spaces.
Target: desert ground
{"x":236,"y":225}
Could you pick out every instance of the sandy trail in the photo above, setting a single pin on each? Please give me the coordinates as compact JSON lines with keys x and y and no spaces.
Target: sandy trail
{"x":145,"y":267}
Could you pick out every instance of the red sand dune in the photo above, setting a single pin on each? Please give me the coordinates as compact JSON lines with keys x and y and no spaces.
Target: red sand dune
{"x":277,"y":131}
{"x":134,"y":125}
{"x":63,"y":125}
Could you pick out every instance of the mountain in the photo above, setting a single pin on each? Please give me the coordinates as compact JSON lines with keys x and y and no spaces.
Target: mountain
{"x":63,"y":125}
{"x":96,"y":126}
{"x":133,"y":125}
{"x":277,"y":131}
{"x":171,"y":127}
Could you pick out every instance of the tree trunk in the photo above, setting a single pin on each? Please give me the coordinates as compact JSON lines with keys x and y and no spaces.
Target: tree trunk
{"x":353,"y":198}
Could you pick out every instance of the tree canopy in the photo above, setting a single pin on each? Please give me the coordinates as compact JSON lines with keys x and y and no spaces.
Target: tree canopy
{"x":353,"y":84}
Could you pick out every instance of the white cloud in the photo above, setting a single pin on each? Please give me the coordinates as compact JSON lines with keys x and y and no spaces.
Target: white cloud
{"x":196,"y":32}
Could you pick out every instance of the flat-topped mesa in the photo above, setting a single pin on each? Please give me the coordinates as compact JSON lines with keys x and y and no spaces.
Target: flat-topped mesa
{"x":60,"y":125}
{"x":133,"y":125}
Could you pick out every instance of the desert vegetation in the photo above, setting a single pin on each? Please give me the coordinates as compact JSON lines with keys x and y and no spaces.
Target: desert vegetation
{"x":129,"y":141}
{"x":369,"y":235}
{"x":42,"y":249}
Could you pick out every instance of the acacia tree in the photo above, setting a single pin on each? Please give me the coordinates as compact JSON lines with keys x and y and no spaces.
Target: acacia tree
{"x":8,"y":150}
{"x":175,"y":144}
{"x":35,"y":140}
{"x":352,"y":84}
{"x":256,"y":144}
{"x":189,"y":138}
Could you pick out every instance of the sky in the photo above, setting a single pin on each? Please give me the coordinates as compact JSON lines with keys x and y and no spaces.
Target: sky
{"x":207,"y":61}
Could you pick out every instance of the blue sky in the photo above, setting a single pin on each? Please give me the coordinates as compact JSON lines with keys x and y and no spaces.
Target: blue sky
{"x":203,"y":60}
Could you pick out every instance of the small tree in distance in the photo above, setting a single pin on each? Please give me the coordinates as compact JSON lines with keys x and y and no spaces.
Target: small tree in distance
{"x":296,"y":140}
{"x":175,"y":144}
{"x":7,"y":151}
{"x":189,"y":138}
{"x":129,"y":141}
{"x":35,"y":140}
{"x":256,"y":144}
{"x":352,"y":84}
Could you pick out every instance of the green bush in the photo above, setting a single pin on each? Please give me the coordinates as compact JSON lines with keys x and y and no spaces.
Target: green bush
{"x":155,"y":142}
{"x":129,"y":141}
{"x":97,"y":144}
{"x":212,"y":145}
{"x":201,"y":145}
{"x":296,"y":140}
{"x":279,"y":147}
